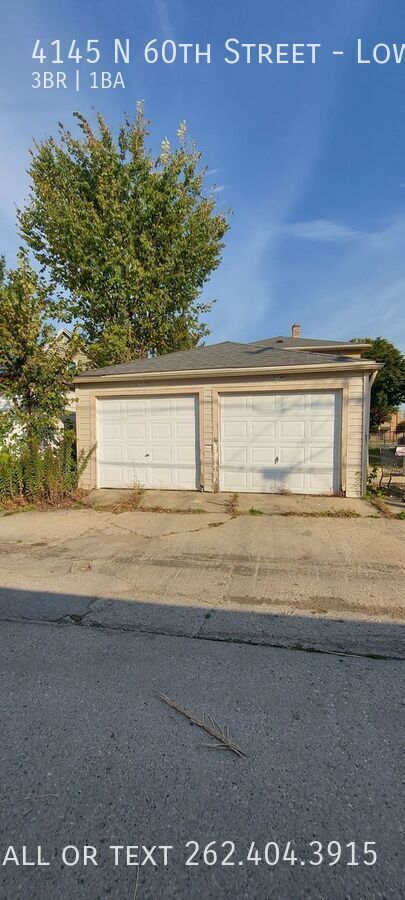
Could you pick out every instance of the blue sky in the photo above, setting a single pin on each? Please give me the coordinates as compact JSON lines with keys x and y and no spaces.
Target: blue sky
{"x":309,"y":158}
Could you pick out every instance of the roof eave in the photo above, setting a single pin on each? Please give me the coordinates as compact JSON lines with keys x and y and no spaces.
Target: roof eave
{"x":361,"y":365}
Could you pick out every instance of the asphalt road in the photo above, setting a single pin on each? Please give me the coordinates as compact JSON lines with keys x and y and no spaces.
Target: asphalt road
{"x":90,"y":756}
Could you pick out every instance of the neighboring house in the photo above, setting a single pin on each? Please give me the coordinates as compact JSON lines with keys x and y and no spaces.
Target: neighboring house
{"x":389,"y":427}
{"x":61,"y":340}
{"x":276,"y":415}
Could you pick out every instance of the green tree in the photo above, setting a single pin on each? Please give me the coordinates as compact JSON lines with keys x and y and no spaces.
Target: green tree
{"x":34,"y":374}
{"x":129,"y":237}
{"x":388,"y":391}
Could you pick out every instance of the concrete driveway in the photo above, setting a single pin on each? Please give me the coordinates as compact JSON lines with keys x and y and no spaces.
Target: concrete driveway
{"x":275,"y":579}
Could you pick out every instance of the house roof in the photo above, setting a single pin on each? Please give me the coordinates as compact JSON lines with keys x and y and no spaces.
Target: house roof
{"x":307,"y":343}
{"x":227,"y":355}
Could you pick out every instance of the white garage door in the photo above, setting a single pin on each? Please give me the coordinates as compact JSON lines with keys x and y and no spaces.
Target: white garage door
{"x":152,"y":441}
{"x":280,"y":442}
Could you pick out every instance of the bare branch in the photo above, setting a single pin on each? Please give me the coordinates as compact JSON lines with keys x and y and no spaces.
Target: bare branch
{"x":209,"y":724}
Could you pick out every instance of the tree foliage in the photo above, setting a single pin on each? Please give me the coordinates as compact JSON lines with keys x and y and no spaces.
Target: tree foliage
{"x":129,"y":237}
{"x":34,"y":374}
{"x":388,"y":391}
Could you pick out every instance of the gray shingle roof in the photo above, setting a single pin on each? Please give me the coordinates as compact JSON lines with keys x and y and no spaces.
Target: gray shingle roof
{"x":227,"y":355}
{"x":302,"y":342}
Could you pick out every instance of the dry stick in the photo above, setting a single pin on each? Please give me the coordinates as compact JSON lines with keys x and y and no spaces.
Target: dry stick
{"x":221,"y":734}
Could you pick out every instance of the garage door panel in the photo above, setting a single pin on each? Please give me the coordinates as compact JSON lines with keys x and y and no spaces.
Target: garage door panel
{"x":133,"y":451}
{"x":236,"y":406}
{"x":261,"y":480}
{"x":291,"y":456}
{"x":302,"y":433}
{"x":234,"y":456}
{"x":318,"y":429}
{"x":235,"y":429}
{"x":263,"y":430}
{"x":263,"y":405}
{"x":152,"y":441}
{"x":132,"y":409}
{"x":321,"y":404}
{"x":160,"y":454}
{"x":290,"y":481}
{"x":112,"y":432}
{"x":291,"y":405}
{"x":291,"y":429}
{"x":159,"y":408}
{"x":184,"y":430}
{"x":262,"y":455}
{"x":160,"y":431}
{"x":113,"y":473}
{"x":112,"y":453}
{"x":132,"y":431}
{"x":318,"y":456}
{"x":318,"y":482}
{"x":185,"y":455}
{"x":235,"y":481}
{"x":181,"y":406}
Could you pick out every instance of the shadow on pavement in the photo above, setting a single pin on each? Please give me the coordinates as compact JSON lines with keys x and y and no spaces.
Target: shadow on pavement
{"x":230,"y":625}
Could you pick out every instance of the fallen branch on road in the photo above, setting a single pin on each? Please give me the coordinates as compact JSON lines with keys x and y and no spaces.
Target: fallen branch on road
{"x":209,"y":724}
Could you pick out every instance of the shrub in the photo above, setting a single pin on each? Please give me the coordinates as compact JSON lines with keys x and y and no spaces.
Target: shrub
{"x":30,"y":474}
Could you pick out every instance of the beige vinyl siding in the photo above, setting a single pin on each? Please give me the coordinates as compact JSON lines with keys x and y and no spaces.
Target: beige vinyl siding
{"x":355,"y":437}
{"x":84,"y":424}
{"x":207,"y":440}
{"x":208,"y":389}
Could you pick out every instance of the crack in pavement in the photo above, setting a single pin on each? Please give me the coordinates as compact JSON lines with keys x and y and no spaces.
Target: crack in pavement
{"x":167,"y":533}
{"x":307,"y":647}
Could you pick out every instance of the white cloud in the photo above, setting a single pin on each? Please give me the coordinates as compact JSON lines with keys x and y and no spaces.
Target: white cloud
{"x":321,"y":230}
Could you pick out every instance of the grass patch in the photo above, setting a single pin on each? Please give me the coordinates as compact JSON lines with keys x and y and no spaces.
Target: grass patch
{"x":253,"y":511}
{"x":131,"y":501}
{"x":323,"y":514}
{"x":378,"y":501}
{"x":173,"y":509}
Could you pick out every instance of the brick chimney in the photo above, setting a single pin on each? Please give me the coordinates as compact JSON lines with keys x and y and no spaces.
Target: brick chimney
{"x":296,"y":331}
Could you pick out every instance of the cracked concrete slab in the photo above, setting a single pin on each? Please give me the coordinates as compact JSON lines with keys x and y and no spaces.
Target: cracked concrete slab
{"x":165,"y":524}
{"x":50,"y":526}
{"x":332,"y":568}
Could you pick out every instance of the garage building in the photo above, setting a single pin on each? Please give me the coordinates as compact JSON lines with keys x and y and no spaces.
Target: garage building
{"x":278,"y":415}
